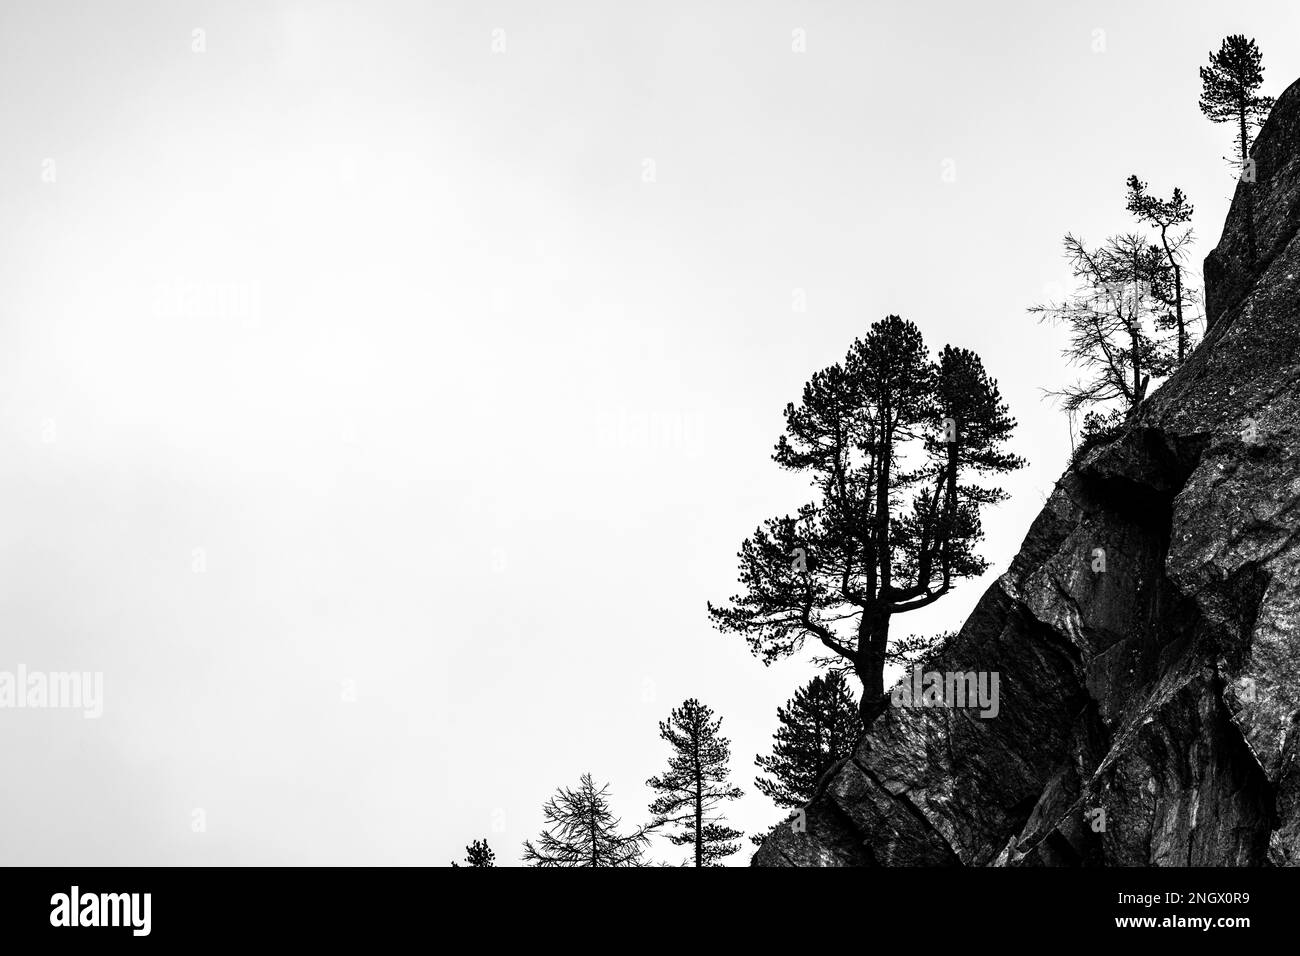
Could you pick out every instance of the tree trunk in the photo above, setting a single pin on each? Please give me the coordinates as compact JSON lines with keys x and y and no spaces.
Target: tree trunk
{"x":950,"y":504}
{"x":699,"y":807}
{"x":1250,"y":192}
{"x":1178,"y":312}
{"x":873,"y":641}
{"x":1135,"y":356}
{"x":1137,"y":378}
{"x":1178,"y":294}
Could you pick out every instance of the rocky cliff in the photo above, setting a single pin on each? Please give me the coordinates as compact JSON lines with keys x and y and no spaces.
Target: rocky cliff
{"x":1147,"y":635}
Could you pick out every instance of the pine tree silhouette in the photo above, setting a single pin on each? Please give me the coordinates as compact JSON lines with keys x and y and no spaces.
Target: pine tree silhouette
{"x":819,"y":726}
{"x":1228,"y":95}
{"x":478,"y":854}
{"x":890,"y":441}
{"x":692,"y":791}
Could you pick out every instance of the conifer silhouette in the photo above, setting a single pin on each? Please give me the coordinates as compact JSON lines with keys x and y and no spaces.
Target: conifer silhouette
{"x":695,"y":786}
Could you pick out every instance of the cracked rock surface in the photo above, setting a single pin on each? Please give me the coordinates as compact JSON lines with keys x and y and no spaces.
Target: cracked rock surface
{"x":1149,"y":713}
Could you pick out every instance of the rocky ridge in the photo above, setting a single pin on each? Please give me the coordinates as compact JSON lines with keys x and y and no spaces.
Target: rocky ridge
{"x":1150,"y":712}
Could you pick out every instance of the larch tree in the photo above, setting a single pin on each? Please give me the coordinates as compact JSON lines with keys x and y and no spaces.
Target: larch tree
{"x":696,"y":786}
{"x":1230,"y":94}
{"x":818,"y":726}
{"x":1111,"y":318}
{"x":582,"y":831}
{"x":1168,"y":216}
{"x":890,"y":441}
{"x":478,"y":854}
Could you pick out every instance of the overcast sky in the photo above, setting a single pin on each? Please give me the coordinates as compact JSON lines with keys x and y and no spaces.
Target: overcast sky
{"x":387,"y":386}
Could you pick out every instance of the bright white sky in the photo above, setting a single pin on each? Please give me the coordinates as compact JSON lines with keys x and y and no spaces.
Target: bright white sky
{"x":387,"y":335}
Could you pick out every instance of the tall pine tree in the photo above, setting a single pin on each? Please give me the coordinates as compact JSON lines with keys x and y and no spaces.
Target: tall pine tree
{"x":693,"y":790}
{"x":582,"y":832}
{"x":819,"y":726}
{"x":890,"y":441}
{"x":1229,"y":94}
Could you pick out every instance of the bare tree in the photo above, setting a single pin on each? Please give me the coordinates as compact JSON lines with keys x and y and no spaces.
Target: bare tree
{"x":582,"y":831}
{"x":1111,"y":321}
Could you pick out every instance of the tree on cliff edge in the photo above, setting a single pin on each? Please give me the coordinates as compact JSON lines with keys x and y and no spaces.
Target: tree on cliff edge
{"x":819,"y":726}
{"x":1167,"y":216}
{"x":890,"y":441}
{"x":1112,"y":318}
{"x":1229,"y":94}
{"x":696,"y":784}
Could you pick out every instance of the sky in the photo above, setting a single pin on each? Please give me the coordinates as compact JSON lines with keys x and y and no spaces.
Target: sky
{"x":387,"y":386}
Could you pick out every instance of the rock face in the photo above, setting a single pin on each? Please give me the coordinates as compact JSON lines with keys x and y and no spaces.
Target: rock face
{"x":1149,"y":712}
